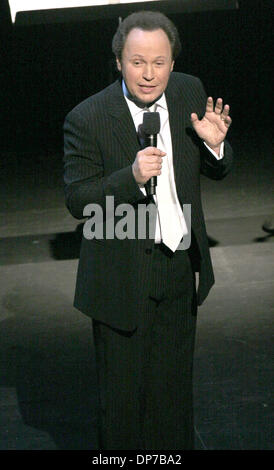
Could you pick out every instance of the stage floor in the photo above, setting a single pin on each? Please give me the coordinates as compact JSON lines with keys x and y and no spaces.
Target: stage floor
{"x":48,"y":396}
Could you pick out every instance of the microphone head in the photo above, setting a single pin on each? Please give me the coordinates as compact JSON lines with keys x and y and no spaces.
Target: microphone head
{"x":151,"y":123}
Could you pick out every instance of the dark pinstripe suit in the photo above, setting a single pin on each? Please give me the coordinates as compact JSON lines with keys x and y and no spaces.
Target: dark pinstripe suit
{"x":125,"y":285}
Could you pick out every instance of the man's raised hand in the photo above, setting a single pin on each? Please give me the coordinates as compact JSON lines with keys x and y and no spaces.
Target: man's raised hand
{"x":213,"y":127}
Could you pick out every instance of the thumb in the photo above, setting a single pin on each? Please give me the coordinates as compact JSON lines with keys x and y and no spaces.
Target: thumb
{"x":194,"y":118}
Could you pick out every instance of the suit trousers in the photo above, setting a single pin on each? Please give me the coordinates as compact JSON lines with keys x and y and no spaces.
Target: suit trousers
{"x":145,"y":375}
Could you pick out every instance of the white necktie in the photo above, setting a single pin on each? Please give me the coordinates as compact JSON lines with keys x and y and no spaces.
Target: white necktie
{"x":172,"y":226}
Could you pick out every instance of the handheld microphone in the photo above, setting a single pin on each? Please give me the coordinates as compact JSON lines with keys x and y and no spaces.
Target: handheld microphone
{"x":150,"y":128}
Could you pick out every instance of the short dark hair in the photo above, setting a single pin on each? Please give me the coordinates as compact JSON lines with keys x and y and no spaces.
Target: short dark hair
{"x":147,"y":21}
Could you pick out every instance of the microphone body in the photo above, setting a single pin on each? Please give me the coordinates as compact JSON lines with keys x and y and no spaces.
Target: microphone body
{"x":150,"y":128}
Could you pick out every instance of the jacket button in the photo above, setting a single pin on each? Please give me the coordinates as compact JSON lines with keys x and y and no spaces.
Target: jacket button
{"x":148,"y":251}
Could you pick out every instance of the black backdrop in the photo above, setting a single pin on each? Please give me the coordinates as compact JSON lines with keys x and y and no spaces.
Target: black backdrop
{"x":46,"y":69}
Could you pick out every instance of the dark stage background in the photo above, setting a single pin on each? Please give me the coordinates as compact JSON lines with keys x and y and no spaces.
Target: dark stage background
{"x":48,"y":68}
{"x":48,"y":389}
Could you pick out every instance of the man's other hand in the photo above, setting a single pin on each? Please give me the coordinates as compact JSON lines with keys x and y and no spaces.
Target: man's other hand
{"x":148,"y":163}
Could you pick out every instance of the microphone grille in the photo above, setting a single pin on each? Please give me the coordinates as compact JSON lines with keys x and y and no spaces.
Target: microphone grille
{"x":151,"y":123}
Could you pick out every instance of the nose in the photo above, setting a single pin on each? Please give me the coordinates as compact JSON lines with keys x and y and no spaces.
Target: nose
{"x":148,"y":72}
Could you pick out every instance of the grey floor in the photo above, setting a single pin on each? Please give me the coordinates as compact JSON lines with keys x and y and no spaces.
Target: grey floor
{"x":48,"y":396}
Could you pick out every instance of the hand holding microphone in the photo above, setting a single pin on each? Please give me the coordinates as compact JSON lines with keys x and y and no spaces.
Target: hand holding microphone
{"x":148,"y":163}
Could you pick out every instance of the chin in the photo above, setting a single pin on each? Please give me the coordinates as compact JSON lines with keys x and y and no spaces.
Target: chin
{"x":147,"y":98}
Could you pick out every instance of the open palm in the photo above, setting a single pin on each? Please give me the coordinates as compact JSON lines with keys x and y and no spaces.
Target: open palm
{"x":213,"y":127}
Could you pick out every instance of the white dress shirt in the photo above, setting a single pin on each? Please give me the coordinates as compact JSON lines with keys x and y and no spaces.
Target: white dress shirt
{"x":165,"y":144}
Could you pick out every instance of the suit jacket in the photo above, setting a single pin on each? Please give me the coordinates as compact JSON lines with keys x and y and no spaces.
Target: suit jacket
{"x":100,"y":147}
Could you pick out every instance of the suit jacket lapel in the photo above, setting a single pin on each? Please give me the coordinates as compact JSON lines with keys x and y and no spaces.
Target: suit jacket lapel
{"x":123,"y":125}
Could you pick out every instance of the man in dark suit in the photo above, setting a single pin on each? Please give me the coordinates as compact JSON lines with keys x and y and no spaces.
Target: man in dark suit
{"x":141,"y":291}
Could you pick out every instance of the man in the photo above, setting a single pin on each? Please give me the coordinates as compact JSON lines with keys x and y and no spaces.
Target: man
{"x":140,"y":292}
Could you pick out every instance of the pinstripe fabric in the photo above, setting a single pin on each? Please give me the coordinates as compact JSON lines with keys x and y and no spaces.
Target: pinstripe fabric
{"x":142,"y":301}
{"x":145,"y":376}
{"x":100,"y":146}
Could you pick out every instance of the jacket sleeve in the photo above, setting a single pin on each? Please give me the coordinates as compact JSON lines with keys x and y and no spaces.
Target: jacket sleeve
{"x":213,"y":168}
{"x":84,"y":175}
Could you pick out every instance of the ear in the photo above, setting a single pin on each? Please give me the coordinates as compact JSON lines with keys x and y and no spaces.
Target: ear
{"x":172,"y":65}
{"x":119,"y":65}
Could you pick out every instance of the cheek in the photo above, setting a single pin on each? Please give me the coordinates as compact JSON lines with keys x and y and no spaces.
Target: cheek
{"x":165,"y":77}
{"x":132,"y":75}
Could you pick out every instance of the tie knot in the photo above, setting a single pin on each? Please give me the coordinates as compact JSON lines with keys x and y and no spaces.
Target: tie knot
{"x":150,"y":109}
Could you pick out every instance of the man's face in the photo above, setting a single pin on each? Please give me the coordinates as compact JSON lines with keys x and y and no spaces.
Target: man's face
{"x":146,"y":63}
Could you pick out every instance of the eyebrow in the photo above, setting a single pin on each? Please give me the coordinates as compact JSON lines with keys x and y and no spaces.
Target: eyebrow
{"x":141,"y":56}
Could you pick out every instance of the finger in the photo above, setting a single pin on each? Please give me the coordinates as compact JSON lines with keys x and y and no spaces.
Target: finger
{"x":153,"y":166}
{"x":209,"y":104}
{"x":152,"y":160}
{"x":194,"y":118}
{"x":219,"y":106}
{"x":228,"y":121}
{"x":149,"y":151}
{"x":154,"y":171}
{"x":225,"y":112}
{"x":225,"y":115}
